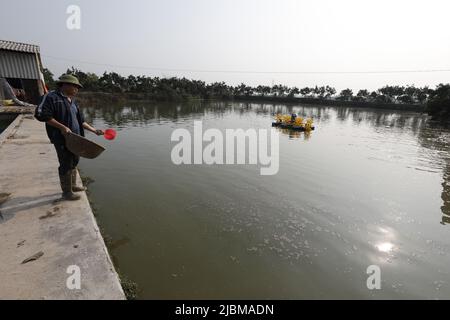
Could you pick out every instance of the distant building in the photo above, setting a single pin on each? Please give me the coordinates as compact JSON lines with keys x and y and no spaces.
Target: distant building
{"x":21,"y":78}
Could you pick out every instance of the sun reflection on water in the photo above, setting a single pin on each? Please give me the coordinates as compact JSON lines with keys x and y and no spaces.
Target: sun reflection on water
{"x":385,"y":247}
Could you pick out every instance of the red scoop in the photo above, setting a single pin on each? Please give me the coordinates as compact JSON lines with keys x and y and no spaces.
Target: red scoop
{"x":110,"y":134}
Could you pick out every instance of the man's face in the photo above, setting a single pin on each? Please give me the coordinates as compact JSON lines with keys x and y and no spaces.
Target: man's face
{"x":69,"y":90}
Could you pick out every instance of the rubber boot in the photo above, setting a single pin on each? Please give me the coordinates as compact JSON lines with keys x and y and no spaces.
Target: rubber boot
{"x":66,"y":187}
{"x":76,"y":188}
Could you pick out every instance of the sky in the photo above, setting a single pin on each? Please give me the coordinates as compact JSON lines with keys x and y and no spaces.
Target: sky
{"x":252,"y":41}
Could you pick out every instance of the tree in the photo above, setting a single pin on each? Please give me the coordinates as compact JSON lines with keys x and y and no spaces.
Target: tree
{"x":438,"y":105}
{"x":362,"y":95}
{"x":293,"y":91}
{"x":218,"y":89}
{"x":248,"y":91}
{"x":410,"y":91}
{"x":266,"y":90}
{"x":315,"y":91}
{"x":346,"y":95}
{"x":406,"y":98}
{"x":321,"y":92}
{"x":392,"y":92}
{"x":373,"y":95}
{"x":174,"y":88}
{"x":330,"y":91}
{"x":259,"y":90}
{"x":88,"y":80}
{"x":382,"y":98}
{"x":422,"y":94}
{"x":305,"y":91}
{"x":279,"y":90}
{"x":243,"y":90}
{"x":262,"y":90}
{"x":48,"y":78}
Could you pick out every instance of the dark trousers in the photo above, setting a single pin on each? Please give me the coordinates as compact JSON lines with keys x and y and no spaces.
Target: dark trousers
{"x":67,"y":160}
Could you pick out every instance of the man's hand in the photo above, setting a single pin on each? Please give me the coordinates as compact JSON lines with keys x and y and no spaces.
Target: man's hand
{"x":65,"y":131}
{"x":87,"y":126}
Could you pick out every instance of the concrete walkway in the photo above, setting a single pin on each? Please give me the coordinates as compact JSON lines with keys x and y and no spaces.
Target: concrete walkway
{"x":33,"y":222}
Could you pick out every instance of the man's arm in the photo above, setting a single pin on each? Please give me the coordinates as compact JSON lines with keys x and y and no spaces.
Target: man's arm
{"x":58,"y":125}
{"x":87,"y":126}
{"x":44,"y":113}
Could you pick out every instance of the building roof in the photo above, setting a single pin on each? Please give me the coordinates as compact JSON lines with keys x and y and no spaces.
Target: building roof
{"x":18,"y":46}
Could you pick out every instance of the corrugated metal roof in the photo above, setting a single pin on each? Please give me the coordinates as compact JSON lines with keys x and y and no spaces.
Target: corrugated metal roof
{"x":22,"y":65}
{"x":18,"y":46}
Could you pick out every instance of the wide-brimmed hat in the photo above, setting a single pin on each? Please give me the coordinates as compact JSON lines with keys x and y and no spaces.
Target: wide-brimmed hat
{"x":71,"y":79}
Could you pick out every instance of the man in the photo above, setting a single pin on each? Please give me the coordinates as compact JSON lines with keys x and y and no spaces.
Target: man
{"x":62,"y":115}
{"x":293,"y":117}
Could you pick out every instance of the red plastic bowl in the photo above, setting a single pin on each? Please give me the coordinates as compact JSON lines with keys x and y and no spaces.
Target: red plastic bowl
{"x":110,"y":134}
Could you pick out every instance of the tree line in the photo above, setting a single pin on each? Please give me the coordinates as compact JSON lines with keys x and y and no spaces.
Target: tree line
{"x":173,"y":89}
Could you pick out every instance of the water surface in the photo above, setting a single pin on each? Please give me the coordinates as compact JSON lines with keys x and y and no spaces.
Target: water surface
{"x":5,"y":121}
{"x":367,"y":187}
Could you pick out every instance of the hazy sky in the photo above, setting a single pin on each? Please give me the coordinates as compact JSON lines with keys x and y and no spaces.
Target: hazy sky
{"x":242,"y":35}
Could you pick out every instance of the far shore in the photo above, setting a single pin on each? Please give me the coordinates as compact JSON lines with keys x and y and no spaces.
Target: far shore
{"x":95,"y":97}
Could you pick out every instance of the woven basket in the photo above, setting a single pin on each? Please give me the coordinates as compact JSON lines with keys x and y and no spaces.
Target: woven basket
{"x":83,"y":147}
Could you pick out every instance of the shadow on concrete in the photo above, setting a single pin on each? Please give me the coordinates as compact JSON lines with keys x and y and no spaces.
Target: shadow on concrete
{"x":15,"y":205}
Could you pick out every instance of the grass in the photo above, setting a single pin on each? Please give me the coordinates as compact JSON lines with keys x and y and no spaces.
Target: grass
{"x":130,"y":288}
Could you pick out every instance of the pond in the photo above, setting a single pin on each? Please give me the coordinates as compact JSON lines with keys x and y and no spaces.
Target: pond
{"x":367,"y":187}
{"x":5,"y":121}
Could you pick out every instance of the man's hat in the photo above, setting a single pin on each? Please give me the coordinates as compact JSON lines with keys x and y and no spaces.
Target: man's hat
{"x":71,"y":79}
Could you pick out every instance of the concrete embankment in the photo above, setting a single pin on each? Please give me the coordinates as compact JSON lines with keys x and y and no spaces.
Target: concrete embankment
{"x":44,"y":242}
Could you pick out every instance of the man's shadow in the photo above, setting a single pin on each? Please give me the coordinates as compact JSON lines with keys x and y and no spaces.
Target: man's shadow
{"x":15,"y":205}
